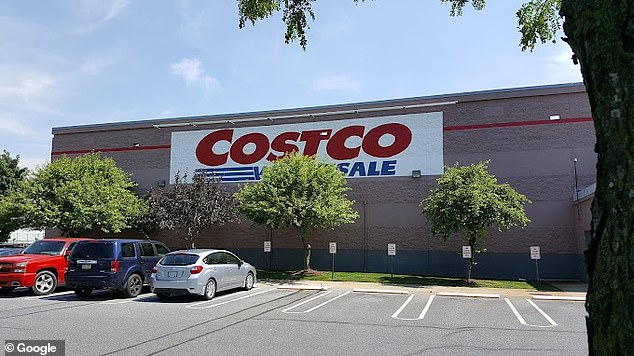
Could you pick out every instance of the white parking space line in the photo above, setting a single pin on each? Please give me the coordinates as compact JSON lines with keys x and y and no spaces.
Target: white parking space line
{"x":523,"y":322}
{"x":287,"y":310}
{"x":48,"y":296}
{"x":323,"y":293}
{"x":197,"y":305}
{"x":380,"y":291}
{"x":422,"y":314}
{"x":550,"y":320}
{"x":119,"y":301}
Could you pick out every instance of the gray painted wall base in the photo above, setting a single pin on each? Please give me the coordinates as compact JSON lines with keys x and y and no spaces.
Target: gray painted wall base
{"x":511,"y":266}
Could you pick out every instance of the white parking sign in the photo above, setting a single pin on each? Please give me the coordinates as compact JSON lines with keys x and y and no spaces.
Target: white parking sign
{"x":535,"y":253}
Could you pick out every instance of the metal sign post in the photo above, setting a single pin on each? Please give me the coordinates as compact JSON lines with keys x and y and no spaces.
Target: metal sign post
{"x":333,"y":251}
{"x":467,"y":255}
{"x":391,"y":251}
{"x":536,"y":255}
{"x":267,"y":253}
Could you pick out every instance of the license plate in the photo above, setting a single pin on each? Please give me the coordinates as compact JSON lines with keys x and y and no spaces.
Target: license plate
{"x":172,"y":274}
{"x":86,"y":266}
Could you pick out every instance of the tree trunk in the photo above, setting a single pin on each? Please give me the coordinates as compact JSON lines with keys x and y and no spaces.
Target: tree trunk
{"x":307,"y":249}
{"x":601,"y":34}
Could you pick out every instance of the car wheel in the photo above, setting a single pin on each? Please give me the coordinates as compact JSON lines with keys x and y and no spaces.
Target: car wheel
{"x":249,"y":281}
{"x":133,"y":286}
{"x":210,"y":289}
{"x":83,"y":292}
{"x":45,"y":283}
{"x":6,"y":290}
{"x":162,"y":296}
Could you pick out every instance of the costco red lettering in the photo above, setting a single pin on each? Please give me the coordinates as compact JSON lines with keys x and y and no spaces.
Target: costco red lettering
{"x":287,"y":142}
{"x":261,"y":143}
{"x":204,"y":150}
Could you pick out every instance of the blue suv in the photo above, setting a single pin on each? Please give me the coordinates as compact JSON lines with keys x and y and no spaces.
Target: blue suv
{"x":124,"y":265}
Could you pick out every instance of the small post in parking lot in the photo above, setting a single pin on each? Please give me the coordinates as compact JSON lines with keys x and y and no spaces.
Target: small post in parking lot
{"x":391,"y":251}
{"x":536,"y":255}
{"x":333,"y":251}
{"x":267,"y":253}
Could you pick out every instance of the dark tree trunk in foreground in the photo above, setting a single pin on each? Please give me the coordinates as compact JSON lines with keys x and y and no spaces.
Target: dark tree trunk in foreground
{"x":601,"y":34}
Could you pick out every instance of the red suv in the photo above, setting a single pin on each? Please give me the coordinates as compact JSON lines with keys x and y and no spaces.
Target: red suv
{"x":40,"y":266}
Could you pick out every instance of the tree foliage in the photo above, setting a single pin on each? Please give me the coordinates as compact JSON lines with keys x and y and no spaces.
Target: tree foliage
{"x":11,"y":174}
{"x":11,"y":177}
{"x":78,"y":195}
{"x":189,"y":209}
{"x":299,"y":192}
{"x":470,"y":200}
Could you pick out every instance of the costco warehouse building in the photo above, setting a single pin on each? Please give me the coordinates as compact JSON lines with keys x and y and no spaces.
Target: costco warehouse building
{"x":538,"y":139}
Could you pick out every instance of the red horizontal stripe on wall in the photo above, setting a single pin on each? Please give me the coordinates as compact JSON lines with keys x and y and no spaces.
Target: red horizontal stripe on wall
{"x":517,"y":124}
{"x":114,"y":149}
{"x":447,"y":128}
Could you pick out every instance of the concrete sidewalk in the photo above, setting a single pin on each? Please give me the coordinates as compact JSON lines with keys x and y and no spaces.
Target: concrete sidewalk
{"x":569,"y":291}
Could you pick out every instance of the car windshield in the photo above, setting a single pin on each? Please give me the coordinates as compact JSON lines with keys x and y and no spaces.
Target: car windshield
{"x":93,"y":250}
{"x":43,"y":247}
{"x":179,"y":259}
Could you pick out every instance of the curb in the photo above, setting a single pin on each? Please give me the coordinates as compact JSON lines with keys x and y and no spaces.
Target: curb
{"x":471,"y":295}
{"x":559,"y":297}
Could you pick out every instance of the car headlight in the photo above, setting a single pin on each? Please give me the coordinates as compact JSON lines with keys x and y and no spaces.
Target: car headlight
{"x":20,"y":267}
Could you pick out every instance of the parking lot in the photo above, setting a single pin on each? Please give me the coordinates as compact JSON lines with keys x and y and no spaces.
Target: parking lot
{"x":281,"y":320}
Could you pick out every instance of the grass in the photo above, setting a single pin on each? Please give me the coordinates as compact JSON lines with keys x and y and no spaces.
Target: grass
{"x":386,"y":278}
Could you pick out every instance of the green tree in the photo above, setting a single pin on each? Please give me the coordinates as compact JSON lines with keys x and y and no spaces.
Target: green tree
{"x":299,"y":192}
{"x":78,"y":195}
{"x":601,"y":36}
{"x":189,"y":208}
{"x":469,"y":200}
{"x":11,"y":176}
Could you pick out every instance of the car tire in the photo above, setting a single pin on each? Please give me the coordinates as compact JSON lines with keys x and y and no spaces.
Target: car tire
{"x":45,"y":283}
{"x":210,"y":289}
{"x":83,"y":292}
{"x":6,"y":290}
{"x":133,"y":286}
{"x":162,"y":296}
{"x":249,"y":281}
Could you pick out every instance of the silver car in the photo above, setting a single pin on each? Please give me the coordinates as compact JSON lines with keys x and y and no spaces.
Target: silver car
{"x":200,"y":272}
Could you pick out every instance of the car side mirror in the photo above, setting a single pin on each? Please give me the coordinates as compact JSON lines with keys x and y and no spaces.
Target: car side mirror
{"x":240,"y":262}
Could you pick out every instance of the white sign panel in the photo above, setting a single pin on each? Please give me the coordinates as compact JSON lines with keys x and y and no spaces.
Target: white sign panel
{"x":267,"y":246}
{"x":391,"y":249}
{"x":332,"y":247}
{"x":535,"y":253}
{"x":386,"y":146}
{"x":466,"y":251}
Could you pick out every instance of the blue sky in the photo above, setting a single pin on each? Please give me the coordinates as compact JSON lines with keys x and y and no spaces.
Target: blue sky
{"x":74,"y":62}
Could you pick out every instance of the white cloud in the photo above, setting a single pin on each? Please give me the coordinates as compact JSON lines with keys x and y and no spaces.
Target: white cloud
{"x":98,"y":13}
{"x":32,"y":163}
{"x":193,"y":73}
{"x":337,"y":83}
{"x":12,"y":126}
{"x":27,"y":86}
